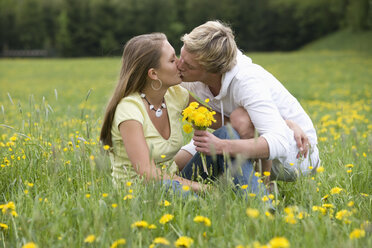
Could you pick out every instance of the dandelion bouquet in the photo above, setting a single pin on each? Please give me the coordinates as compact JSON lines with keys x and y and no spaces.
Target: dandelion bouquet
{"x":199,"y":117}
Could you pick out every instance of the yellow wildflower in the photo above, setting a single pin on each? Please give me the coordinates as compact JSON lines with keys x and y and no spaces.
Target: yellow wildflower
{"x":90,"y":239}
{"x":114,"y":205}
{"x":279,"y":242}
{"x":349,"y":166}
{"x":202,"y":219}
{"x":320,"y":169}
{"x":118,"y":242}
{"x":253,"y":213}
{"x":357,"y":233}
{"x":244,"y":186}
{"x":185,"y":188}
{"x":140,"y":224}
{"x":161,"y":240}
{"x":166,"y":218}
{"x":265,"y":198}
{"x":104,"y":195}
{"x":165,"y":203}
{"x":187,"y":128}
{"x":30,"y":245}
{"x":106,"y":147}
{"x":336,"y":190}
{"x":152,"y":226}
{"x":350,"y":204}
{"x":3,"y":226}
{"x":128,"y":197}
{"x":266,"y":173}
{"x":184,"y":241}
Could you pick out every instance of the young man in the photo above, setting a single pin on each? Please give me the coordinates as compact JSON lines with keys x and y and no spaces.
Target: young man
{"x":246,"y":93}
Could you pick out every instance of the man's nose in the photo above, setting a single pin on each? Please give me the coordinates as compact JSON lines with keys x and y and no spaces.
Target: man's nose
{"x":180,"y":64}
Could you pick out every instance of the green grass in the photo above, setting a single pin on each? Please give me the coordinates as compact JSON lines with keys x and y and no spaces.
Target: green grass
{"x":345,"y":40}
{"x":51,"y":161}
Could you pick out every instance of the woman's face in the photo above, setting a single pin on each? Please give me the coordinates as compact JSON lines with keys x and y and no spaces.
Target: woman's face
{"x":168,"y":72}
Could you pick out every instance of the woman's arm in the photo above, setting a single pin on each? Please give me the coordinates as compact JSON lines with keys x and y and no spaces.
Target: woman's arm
{"x":139,"y":154}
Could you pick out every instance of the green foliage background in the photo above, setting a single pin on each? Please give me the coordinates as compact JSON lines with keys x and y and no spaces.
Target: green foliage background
{"x":73,"y":28}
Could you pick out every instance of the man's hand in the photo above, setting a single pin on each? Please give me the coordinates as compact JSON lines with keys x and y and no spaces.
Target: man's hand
{"x":207,"y":143}
{"x":301,"y":138}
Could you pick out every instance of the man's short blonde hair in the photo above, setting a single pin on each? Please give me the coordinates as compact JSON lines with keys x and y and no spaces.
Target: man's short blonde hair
{"x":213,"y":45}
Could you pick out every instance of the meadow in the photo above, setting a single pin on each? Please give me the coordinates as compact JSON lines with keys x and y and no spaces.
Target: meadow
{"x":55,"y":182}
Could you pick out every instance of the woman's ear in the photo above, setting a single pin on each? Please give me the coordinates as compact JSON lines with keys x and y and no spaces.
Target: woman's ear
{"x":152,"y":74}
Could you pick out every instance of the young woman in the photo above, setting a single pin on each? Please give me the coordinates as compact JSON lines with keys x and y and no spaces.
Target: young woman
{"x":142,"y":120}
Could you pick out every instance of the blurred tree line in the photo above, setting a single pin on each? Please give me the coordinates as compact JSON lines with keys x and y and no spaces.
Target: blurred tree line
{"x":101,"y":27}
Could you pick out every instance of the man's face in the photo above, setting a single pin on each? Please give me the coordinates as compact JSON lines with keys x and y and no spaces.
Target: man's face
{"x":191,"y":70}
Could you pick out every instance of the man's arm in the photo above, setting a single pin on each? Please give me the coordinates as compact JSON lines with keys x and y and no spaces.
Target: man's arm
{"x":209,"y":144}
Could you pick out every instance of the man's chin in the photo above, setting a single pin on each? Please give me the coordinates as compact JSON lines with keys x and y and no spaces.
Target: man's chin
{"x":186,"y":80}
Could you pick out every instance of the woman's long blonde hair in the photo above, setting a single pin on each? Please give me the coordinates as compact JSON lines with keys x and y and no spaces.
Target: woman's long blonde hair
{"x":140,"y":54}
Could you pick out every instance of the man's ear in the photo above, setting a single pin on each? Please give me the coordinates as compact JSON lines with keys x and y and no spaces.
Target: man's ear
{"x":152,"y":74}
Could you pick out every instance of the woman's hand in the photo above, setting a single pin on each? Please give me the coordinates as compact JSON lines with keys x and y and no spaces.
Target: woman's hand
{"x":208,"y":143}
{"x":300,"y":137}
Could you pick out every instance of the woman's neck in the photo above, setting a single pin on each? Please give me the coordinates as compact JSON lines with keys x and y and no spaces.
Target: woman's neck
{"x":155,"y":97}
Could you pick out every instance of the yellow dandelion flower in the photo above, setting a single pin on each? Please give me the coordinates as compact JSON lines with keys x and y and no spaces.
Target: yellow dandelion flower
{"x":140,"y":224}
{"x":128,"y":197}
{"x":187,"y":128}
{"x":245,"y":186}
{"x":30,"y":185}
{"x":204,"y":234}
{"x":349,"y":166}
{"x":165,"y":203}
{"x":3,"y":226}
{"x":30,"y":245}
{"x":320,"y":169}
{"x":104,"y":195}
{"x":161,"y":240}
{"x":279,"y":242}
{"x":91,"y":157}
{"x":253,"y":213}
{"x":87,"y":195}
{"x":267,"y":173}
{"x":152,"y":226}
{"x":114,"y":205}
{"x":342,"y":214}
{"x":185,"y":188}
{"x":202,"y":219}
{"x":129,"y":184}
{"x":269,"y":215}
{"x":252,"y":195}
{"x":291,"y":164}
{"x":349,"y":171}
{"x":350,"y":204}
{"x":162,"y":156}
{"x":257,"y":174}
{"x":206,"y":100}
{"x":364,"y":194}
{"x":328,"y":205}
{"x":166,"y":218}
{"x":357,"y":233}
{"x":118,"y":242}
{"x":336,"y":190}
{"x":106,"y":147}
{"x":184,"y":241}
{"x":271,"y":196}
{"x":364,"y":154}
{"x":265,"y":198}
{"x":90,"y":239}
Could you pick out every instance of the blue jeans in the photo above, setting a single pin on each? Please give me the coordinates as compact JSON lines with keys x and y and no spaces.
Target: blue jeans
{"x":217,"y":165}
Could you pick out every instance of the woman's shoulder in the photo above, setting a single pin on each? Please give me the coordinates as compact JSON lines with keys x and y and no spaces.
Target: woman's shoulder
{"x":177,"y":92}
{"x":131,"y":99}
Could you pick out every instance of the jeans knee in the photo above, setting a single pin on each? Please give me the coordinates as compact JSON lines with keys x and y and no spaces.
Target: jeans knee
{"x":226,"y":132}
